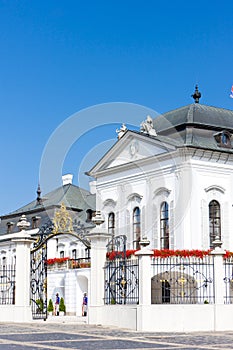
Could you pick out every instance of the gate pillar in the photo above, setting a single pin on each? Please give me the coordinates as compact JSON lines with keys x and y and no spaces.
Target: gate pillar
{"x":99,"y":238}
{"x":144,"y":256}
{"x":23,"y":241}
{"x":219,"y":285}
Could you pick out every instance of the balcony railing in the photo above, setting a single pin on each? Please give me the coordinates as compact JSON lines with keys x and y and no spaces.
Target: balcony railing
{"x":67,"y":263}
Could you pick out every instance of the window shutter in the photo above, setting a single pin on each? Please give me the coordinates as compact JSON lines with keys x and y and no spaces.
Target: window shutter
{"x":205,"y":225}
{"x":143,"y":231}
{"x":128,"y":232}
{"x":225,"y":227}
{"x":156,"y":221}
{"x":117,"y":223}
{"x":171,"y":224}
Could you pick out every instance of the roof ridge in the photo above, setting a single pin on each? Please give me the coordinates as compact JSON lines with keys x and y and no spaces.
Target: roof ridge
{"x":190,"y":113}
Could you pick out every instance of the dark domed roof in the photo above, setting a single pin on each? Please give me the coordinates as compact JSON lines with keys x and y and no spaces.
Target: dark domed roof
{"x":195,"y":114}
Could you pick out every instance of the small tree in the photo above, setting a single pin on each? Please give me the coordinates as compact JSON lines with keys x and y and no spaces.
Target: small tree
{"x":40,"y":305}
{"x":50,"y":306}
{"x":62,"y":307}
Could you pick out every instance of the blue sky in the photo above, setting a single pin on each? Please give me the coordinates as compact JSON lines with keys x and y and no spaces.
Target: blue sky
{"x":59,"y":57}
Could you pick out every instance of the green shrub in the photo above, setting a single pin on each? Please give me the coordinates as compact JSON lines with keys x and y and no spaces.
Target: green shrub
{"x":62,"y":306}
{"x":40,"y":305}
{"x":50,"y":306}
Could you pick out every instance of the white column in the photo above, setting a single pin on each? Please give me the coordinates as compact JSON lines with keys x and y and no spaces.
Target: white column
{"x":70,"y":291}
{"x":98,"y":257}
{"x":219,"y":273}
{"x":23,"y":241}
{"x":144,"y":256}
{"x":99,"y":238}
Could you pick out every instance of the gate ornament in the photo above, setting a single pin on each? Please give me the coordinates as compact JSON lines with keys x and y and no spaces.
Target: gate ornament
{"x":23,"y":224}
{"x":62,"y":220}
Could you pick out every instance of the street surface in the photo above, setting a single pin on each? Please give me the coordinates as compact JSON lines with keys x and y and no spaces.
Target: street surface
{"x":60,"y":334}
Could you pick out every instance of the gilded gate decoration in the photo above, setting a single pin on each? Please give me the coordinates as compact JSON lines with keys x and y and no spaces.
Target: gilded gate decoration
{"x":62,"y":221}
{"x":62,"y":224}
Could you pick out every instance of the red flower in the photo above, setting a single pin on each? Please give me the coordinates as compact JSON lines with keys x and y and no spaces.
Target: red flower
{"x":164,"y":253}
{"x":228,"y":254}
{"x":56,"y":260}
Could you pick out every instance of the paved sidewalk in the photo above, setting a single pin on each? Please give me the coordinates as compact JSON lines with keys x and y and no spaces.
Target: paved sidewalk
{"x":66,"y":319}
{"x":69,"y":335}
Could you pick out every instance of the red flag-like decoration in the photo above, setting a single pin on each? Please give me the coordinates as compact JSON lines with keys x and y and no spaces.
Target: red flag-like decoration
{"x":231,"y":94}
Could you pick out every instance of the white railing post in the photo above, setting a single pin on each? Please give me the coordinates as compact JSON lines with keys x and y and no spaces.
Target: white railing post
{"x":144,"y":256}
{"x":219,"y":273}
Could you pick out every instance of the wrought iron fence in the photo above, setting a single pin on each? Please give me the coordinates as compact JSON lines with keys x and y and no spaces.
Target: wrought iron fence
{"x":182,"y":280}
{"x":121,"y":274}
{"x":39,"y":282}
{"x":7,"y":284}
{"x":228,"y":279}
{"x":121,"y":281}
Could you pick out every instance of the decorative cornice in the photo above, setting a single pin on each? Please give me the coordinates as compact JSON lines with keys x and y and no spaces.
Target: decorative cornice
{"x":109,"y":202}
{"x":162,"y":191}
{"x":215,"y":188}
{"x":134,"y":196}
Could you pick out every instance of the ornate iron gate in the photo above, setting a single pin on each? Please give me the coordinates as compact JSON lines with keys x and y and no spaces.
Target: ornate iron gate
{"x":62,"y":224}
{"x":121,"y":274}
{"x":39,"y":273}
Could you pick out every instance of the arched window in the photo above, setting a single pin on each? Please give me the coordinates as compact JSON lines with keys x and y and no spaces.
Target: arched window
{"x":111,"y":223}
{"x":164,"y":226}
{"x":214,"y":221}
{"x":136,"y":227}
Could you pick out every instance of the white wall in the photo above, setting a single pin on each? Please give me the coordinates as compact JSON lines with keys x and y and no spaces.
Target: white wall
{"x":187,"y":180}
{"x":165,"y":318}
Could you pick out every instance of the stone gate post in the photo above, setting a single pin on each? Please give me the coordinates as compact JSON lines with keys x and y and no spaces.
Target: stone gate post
{"x":221,"y":312}
{"x":99,"y":238}
{"x":144,"y":256}
{"x":219,"y":273}
{"x":23,"y":241}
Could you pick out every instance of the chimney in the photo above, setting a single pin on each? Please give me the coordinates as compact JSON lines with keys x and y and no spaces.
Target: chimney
{"x":92,"y":186}
{"x":67,"y":179}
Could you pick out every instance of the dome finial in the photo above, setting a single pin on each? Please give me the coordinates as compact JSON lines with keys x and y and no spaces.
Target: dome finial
{"x":38,"y":194}
{"x":197,"y":95}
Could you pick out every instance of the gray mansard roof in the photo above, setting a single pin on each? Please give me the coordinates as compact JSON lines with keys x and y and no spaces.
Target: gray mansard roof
{"x":196,"y":125}
{"x":76,"y":200}
{"x":197,"y":115}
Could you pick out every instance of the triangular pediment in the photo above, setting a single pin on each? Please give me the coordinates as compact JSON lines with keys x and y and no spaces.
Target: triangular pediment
{"x":132,"y":147}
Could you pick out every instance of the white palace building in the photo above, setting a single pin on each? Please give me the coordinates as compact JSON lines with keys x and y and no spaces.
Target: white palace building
{"x":172,"y":181}
{"x":160,"y":249}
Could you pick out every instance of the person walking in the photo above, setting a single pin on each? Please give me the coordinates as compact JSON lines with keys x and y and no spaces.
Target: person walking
{"x":84,"y":305}
{"x":57,"y":302}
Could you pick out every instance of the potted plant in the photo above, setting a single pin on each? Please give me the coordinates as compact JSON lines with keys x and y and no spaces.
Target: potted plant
{"x":50,"y":307}
{"x":62,"y":307}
